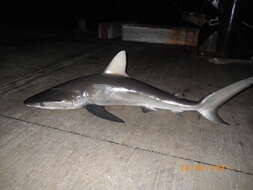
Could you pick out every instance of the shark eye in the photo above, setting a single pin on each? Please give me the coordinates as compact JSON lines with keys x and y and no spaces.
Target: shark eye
{"x":42,"y":104}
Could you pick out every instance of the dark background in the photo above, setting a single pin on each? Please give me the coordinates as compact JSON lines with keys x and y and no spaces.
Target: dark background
{"x":19,"y":19}
{"x":66,"y":14}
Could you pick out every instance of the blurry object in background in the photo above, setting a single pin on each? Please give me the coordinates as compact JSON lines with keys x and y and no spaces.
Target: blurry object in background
{"x":215,"y":3}
{"x":225,"y":30}
{"x":166,"y":35}
{"x":248,"y":25}
{"x":195,"y":18}
{"x":82,"y":24}
{"x":223,"y":61}
{"x":109,"y":30}
{"x":235,"y":38}
{"x":209,"y":30}
{"x":214,"y":21}
{"x":209,"y":45}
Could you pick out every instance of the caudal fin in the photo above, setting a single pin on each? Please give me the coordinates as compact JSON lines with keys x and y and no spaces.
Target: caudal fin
{"x":209,"y":106}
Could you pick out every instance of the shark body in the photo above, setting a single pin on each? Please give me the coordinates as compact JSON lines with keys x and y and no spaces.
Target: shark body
{"x":115,"y":87}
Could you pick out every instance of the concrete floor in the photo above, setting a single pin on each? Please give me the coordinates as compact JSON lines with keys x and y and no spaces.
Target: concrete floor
{"x":43,"y":149}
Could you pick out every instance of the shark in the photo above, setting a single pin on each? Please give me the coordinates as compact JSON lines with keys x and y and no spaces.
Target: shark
{"x":114,"y":87}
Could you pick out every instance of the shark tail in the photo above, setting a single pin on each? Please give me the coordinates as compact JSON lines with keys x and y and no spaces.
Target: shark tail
{"x":208,"y":107}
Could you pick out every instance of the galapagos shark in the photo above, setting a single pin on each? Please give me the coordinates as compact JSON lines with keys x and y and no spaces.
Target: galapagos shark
{"x":115,"y":87}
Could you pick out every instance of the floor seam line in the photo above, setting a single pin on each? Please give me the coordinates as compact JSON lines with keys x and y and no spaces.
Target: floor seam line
{"x":42,"y":72}
{"x":124,"y":145}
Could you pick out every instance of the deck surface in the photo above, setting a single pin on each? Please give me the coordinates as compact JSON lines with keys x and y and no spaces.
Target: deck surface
{"x":45,"y":149}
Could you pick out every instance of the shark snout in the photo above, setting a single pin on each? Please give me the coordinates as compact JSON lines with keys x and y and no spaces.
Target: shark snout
{"x":38,"y":100}
{"x":53,"y":99}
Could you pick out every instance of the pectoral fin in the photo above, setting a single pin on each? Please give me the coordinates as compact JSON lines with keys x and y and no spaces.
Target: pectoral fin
{"x":100,"y":111}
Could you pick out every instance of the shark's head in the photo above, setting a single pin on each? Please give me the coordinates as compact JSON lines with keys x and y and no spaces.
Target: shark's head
{"x":72,"y":96}
{"x":56,"y":98}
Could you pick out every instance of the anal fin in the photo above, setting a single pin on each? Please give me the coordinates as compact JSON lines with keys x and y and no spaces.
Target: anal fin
{"x":101,"y":112}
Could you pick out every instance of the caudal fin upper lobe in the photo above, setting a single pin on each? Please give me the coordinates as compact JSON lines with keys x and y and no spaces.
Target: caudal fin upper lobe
{"x":209,"y":106}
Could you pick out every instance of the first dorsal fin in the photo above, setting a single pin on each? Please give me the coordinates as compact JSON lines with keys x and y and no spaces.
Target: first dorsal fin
{"x":117,"y":65}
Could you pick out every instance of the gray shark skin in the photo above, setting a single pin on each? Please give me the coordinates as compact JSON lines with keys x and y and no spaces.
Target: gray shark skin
{"x":115,"y":87}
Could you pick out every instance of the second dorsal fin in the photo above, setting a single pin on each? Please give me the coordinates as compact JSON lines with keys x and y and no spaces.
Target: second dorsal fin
{"x":118,"y":64}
